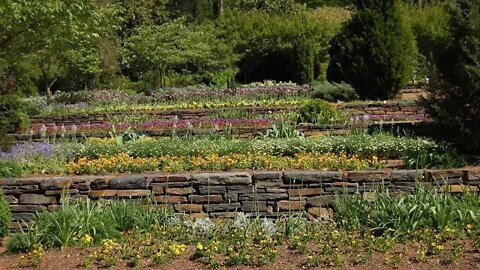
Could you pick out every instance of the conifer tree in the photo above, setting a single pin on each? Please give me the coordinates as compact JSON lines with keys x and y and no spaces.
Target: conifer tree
{"x":304,"y":60}
{"x":454,"y":98}
{"x":375,"y":51}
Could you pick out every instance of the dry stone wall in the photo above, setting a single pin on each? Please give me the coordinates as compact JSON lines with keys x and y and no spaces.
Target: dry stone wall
{"x":221,"y":195}
{"x":364,"y":108}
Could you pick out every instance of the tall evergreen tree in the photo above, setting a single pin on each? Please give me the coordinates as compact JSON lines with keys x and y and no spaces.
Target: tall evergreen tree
{"x":304,"y":60}
{"x":375,"y":51}
{"x":454,"y":98}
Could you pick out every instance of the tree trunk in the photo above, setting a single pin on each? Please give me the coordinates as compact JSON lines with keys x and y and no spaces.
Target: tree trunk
{"x":221,"y":8}
{"x":162,"y":76}
{"x":48,"y":87}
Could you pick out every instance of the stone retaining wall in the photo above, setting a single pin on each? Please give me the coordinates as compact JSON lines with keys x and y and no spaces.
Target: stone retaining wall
{"x":220,"y":195}
{"x":244,"y":132}
{"x":366,"y":108}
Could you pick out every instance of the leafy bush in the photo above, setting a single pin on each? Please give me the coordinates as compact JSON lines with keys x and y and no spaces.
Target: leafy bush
{"x":305,"y":58}
{"x":5,"y":215}
{"x":375,"y":51}
{"x":318,"y":111}
{"x":13,"y":115}
{"x":297,"y":36}
{"x":454,"y":98}
{"x":334,"y":92}
{"x":430,"y":27}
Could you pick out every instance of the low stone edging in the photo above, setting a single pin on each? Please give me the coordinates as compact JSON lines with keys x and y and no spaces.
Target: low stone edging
{"x":220,"y":195}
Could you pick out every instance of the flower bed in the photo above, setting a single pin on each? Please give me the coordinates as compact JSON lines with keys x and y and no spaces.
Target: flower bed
{"x":274,"y":153}
{"x":122,"y":163}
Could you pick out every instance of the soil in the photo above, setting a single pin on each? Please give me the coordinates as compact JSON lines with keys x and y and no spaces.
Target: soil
{"x":71,"y":259}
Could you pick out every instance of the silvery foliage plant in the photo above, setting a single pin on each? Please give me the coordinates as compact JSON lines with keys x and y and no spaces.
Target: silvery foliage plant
{"x":241,"y":221}
{"x":269,"y":227}
{"x":203,"y":226}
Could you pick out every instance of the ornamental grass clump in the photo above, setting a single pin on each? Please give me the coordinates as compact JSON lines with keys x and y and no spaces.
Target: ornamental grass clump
{"x":402,"y":215}
{"x":320,"y":112}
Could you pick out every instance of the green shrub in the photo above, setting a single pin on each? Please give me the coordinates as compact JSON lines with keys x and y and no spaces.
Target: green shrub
{"x":454,"y":98}
{"x":320,"y":112}
{"x":10,"y":168}
{"x":13,"y":114}
{"x":334,"y":92}
{"x":430,"y":27}
{"x":375,"y":52}
{"x":280,"y":46}
{"x":304,"y":58}
{"x":5,"y":215}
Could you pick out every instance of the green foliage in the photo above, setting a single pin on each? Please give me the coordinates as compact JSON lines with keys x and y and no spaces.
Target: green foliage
{"x":320,"y":112}
{"x":454,"y":97}
{"x":364,"y":145}
{"x":74,"y":219}
{"x":10,"y":168}
{"x":269,"y":44}
{"x":72,"y":97}
{"x":174,"y":44}
{"x":405,"y":214}
{"x":304,"y":58}
{"x":430,"y":27}
{"x":5,"y":216}
{"x":55,"y":37}
{"x":13,"y":115}
{"x":285,"y":130}
{"x":333,"y":92}
{"x":375,"y":51}
{"x":268,"y":6}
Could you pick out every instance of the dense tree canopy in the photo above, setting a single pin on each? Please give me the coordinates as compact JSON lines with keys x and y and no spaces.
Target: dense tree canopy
{"x":64,"y":45}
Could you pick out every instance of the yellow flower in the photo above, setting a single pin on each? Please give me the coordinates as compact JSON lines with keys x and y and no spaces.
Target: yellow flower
{"x":87,"y":239}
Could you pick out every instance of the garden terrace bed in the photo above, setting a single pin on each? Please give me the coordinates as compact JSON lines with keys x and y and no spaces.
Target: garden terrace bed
{"x":402,"y":109}
{"x":260,"y":126}
{"x":271,"y":194}
{"x":187,"y":114}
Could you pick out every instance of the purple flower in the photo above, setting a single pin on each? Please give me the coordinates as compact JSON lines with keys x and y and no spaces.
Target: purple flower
{"x":29,"y":149}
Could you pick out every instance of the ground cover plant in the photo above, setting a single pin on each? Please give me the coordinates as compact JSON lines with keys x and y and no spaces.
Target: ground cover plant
{"x":406,"y":229}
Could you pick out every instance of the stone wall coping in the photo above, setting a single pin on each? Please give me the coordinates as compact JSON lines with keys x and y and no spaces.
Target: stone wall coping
{"x":252,"y":173}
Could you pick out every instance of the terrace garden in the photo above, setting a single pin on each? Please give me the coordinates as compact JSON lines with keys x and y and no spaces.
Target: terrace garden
{"x":239,"y":134}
